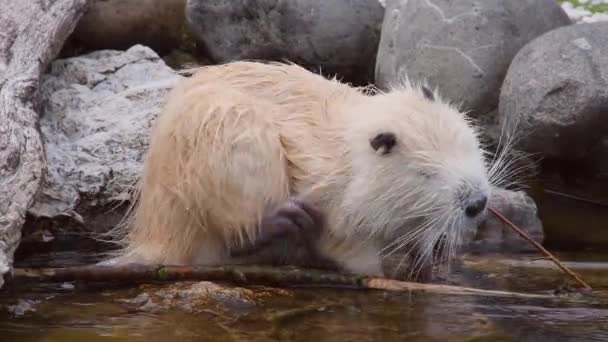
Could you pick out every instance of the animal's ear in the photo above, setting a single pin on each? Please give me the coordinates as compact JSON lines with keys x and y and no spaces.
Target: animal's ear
{"x":383,"y":143}
{"x":428,"y":94}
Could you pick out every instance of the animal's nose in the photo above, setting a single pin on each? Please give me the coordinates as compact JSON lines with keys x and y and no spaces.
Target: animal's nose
{"x":476,"y":206}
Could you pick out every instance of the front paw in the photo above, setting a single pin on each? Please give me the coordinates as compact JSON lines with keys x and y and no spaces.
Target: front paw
{"x":293,"y":219}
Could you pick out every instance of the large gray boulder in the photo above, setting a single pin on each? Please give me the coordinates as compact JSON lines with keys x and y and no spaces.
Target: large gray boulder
{"x":96,"y":118}
{"x":339,"y":37}
{"x":555,"y":95}
{"x":462,"y":47}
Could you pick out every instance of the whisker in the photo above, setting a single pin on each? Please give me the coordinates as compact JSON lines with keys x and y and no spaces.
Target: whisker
{"x":427,"y":238}
{"x":410,"y":235}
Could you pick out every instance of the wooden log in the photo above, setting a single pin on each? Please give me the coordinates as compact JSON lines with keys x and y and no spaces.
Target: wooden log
{"x":246,"y":275}
{"x":32,"y":33}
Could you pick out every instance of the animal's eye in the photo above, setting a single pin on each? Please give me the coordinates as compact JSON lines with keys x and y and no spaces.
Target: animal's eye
{"x":383,"y":143}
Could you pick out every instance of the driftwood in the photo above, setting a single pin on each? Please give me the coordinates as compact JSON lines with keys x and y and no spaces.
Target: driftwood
{"x":245,"y":275}
{"x":32,"y":33}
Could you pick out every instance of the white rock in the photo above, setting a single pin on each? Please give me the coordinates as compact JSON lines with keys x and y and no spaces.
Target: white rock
{"x":595,"y":18}
{"x":97,"y":113}
{"x":580,"y":14}
{"x":575,"y":13}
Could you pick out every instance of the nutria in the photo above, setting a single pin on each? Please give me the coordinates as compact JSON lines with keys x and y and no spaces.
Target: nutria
{"x":248,"y":152}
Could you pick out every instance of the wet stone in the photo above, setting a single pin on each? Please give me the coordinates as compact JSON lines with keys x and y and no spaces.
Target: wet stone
{"x":22,"y":307}
{"x":200,"y":297}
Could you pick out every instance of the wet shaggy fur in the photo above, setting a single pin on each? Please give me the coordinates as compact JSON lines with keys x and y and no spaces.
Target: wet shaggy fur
{"x":390,"y":170}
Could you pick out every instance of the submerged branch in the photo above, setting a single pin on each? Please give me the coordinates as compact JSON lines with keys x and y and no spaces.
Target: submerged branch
{"x":246,"y":275}
{"x":540,"y":247}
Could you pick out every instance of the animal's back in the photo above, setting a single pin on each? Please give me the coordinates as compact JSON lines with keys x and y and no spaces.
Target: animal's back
{"x":279,"y":83}
{"x":306,"y":111}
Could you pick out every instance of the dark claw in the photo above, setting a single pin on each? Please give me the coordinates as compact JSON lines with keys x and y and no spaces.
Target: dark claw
{"x":278,"y":227}
{"x":297,"y":215}
{"x":295,"y":219}
{"x":313,"y":213}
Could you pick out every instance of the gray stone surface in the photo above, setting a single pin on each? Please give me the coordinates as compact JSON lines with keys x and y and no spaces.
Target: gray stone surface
{"x":463,"y":47}
{"x":555,"y":94}
{"x":340,"y":37}
{"x":97,"y":113}
{"x":520,"y":209}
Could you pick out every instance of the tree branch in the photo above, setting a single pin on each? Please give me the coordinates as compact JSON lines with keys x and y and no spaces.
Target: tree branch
{"x":246,"y":275}
{"x":540,"y":248}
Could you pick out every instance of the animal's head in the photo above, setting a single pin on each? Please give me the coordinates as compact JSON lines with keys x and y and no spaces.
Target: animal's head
{"x":418,"y":169}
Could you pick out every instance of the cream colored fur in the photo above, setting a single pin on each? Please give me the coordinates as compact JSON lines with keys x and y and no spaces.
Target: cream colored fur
{"x":235,"y":139}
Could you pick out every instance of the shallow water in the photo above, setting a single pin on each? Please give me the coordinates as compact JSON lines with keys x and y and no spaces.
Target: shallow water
{"x":98,"y":312}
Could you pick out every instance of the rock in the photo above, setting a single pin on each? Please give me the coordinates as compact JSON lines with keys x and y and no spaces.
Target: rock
{"x":179,"y":60}
{"x":200,"y":297}
{"x":119,"y":24}
{"x":22,"y":307}
{"x":96,"y":118}
{"x":520,"y":209}
{"x":555,"y":94}
{"x":462,"y":47}
{"x":555,"y":102}
{"x":340,"y":37}
{"x":582,"y":13}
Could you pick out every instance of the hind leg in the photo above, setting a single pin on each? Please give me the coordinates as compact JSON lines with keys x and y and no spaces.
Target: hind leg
{"x":214,"y":166}
{"x":249,"y":171}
